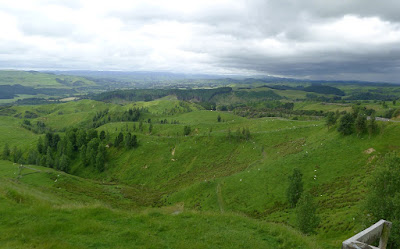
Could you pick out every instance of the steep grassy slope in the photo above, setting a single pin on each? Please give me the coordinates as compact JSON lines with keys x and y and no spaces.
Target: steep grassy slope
{"x":37,"y":211}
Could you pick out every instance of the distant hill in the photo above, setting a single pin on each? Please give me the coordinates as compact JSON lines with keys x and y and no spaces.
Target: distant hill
{"x":28,"y":84}
{"x":42,"y":80}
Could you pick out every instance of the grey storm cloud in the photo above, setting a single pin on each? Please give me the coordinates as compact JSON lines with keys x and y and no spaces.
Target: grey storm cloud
{"x":332,"y":39}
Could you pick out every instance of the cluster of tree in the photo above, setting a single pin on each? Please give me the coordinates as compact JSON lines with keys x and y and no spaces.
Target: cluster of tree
{"x":266,"y":95}
{"x":371,"y":96}
{"x":165,"y":121}
{"x":279,"y":111}
{"x":10,"y":91}
{"x":239,"y":135}
{"x":103,"y":117}
{"x":392,"y":113}
{"x":284,"y":87}
{"x":58,"y":152}
{"x":132,"y":95}
{"x":38,"y":127}
{"x":323,"y":89}
{"x":37,"y":101}
{"x":7,"y":111}
{"x":306,"y":209}
{"x":29,"y":114}
{"x":182,"y":107}
{"x":15,"y":155}
{"x":129,"y":140}
{"x":314,"y":97}
{"x":357,"y":122}
{"x":202,"y":95}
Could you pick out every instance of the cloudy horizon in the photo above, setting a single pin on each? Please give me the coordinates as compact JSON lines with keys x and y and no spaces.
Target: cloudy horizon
{"x":311,"y":39}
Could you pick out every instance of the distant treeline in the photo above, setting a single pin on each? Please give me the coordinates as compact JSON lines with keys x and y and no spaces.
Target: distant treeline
{"x":371,"y":96}
{"x":267,"y":95}
{"x":10,"y":91}
{"x":316,"y":88}
{"x":105,"y":116}
{"x":202,"y":95}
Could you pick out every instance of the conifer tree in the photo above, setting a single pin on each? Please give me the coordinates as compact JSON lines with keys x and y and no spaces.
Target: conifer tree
{"x":6,"y":152}
{"x":119,"y":139}
{"x":295,"y":188}
{"x":49,"y":158}
{"x":100,"y":158}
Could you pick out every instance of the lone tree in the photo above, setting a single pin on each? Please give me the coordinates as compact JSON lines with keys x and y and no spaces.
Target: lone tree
{"x":187,"y":130}
{"x":346,"y":124}
{"x":330,"y":119}
{"x":306,"y":214}
{"x":295,"y":188}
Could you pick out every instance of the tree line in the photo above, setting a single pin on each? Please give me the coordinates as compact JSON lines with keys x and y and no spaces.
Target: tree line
{"x":360,"y":121}
{"x":59,"y":152}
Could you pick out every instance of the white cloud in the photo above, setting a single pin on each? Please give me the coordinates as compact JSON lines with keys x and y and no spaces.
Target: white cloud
{"x":280,"y":37}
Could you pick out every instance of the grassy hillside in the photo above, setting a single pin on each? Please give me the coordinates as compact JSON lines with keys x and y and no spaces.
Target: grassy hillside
{"x":230,"y":187}
{"x":38,"y":210}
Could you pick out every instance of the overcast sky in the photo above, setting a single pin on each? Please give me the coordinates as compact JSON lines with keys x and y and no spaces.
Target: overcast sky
{"x":316,"y":39}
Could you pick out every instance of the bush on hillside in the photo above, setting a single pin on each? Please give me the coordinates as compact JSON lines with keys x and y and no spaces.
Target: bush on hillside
{"x":295,"y":188}
{"x":306,"y":213}
{"x":383,"y":200}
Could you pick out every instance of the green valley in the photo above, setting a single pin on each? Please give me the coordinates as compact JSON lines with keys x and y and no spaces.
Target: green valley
{"x":195,"y":168}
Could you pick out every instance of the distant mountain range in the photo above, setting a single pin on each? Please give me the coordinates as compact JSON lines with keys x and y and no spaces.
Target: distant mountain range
{"x":158,"y":77}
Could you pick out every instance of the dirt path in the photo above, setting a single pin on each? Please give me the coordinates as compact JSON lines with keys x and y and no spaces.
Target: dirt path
{"x":220,"y":199}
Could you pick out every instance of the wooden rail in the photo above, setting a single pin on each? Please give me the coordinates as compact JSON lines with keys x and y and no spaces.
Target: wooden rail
{"x":379,"y":230}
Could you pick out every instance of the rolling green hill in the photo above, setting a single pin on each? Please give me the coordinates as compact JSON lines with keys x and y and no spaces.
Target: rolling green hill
{"x":49,"y":209}
{"x":229,"y":184}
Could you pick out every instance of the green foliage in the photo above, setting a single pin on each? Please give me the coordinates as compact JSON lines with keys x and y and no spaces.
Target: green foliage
{"x":101,"y":158}
{"x":187,"y":130}
{"x":102,"y":135}
{"x":49,"y":158}
{"x":130,"y":141}
{"x":119,"y":139}
{"x":346,"y":124}
{"x":6,"y":152}
{"x":383,"y":199}
{"x":372,"y":126}
{"x":361,"y":124}
{"x":330,"y":119}
{"x":16,"y":154}
{"x":324,"y":89}
{"x":306,"y":214}
{"x":64,"y":163}
{"x":219,"y":118}
{"x":295,"y":188}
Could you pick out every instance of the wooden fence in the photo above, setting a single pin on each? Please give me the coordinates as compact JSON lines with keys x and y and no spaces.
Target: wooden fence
{"x":362,"y":240}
